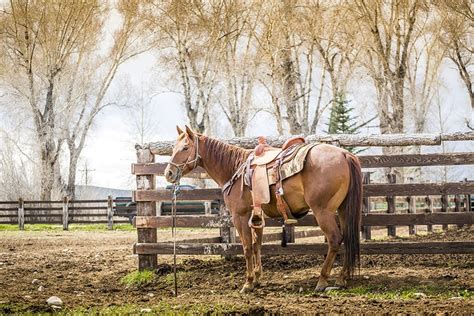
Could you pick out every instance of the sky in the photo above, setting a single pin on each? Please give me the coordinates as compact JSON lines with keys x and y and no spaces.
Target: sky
{"x":109,"y":151}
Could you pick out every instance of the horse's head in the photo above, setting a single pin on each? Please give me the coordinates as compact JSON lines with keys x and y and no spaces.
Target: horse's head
{"x":185,"y":155}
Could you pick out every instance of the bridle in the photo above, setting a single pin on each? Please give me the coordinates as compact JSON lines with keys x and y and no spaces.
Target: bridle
{"x":182,"y":166}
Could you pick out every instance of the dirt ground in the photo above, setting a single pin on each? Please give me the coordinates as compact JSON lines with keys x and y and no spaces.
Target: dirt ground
{"x":84,"y":269}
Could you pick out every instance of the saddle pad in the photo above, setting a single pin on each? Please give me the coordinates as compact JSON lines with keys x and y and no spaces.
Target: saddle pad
{"x":266,"y":157}
{"x":260,"y":185}
{"x":293,"y":166}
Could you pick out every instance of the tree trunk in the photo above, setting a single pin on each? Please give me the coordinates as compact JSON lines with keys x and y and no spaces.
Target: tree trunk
{"x":48,"y":150}
{"x":289,"y":91}
{"x":71,"y":181}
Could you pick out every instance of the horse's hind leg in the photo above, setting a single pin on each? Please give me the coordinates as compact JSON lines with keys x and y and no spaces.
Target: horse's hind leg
{"x":341,"y":280}
{"x":257,"y":247}
{"x":241,"y":224}
{"x":327,"y":222}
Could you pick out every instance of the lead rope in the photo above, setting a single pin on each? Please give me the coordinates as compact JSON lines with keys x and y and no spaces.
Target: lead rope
{"x":173,"y":234}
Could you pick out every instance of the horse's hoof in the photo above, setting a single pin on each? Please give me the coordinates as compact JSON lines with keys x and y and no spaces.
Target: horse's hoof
{"x":341,"y":284}
{"x":247,"y":288}
{"x":320,"y":288}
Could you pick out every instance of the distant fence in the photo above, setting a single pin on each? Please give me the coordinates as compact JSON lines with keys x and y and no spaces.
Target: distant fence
{"x":63,"y":212}
{"x":418,"y":203}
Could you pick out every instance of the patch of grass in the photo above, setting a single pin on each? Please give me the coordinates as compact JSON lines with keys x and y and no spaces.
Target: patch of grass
{"x":72,"y":227}
{"x":8,"y":227}
{"x":138,"y":278}
{"x":380,"y":292}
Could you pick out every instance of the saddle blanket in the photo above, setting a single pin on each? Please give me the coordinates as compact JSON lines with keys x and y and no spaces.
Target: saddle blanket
{"x":288,"y":168}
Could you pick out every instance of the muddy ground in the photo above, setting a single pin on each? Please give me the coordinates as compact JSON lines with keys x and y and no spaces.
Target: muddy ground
{"x":84,"y":269}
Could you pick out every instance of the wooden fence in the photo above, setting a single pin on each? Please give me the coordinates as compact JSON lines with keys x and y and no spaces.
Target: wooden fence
{"x":147,"y":195}
{"x":63,"y":212}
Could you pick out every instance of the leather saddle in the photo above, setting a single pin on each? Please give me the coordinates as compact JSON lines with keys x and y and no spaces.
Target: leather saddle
{"x":262,"y":170}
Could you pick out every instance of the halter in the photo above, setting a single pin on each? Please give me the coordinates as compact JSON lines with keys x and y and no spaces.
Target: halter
{"x":182,"y":166}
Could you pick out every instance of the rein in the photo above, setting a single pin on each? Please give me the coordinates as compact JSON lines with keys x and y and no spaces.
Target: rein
{"x":176,"y":190}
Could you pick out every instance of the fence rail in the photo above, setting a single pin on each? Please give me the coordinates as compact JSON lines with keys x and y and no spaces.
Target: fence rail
{"x":69,"y":212}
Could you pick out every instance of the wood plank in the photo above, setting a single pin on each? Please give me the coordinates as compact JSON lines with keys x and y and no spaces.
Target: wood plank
{"x":185,"y":195}
{"x":297,"y":235}
{"x":159,"y":169}
{"x":183,"y":221}
{"x":309,"y":220}
{"x":418,"y":219}
{"x":371,"y":248}
{"x":410,"y":189}
{"x":412,"y":160}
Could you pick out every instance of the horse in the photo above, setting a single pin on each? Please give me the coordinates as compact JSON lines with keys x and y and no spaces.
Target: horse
{"x":329,"y":184}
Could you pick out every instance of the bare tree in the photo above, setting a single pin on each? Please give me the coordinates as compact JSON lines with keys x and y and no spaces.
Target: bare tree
{"x":91,"y":79}
{"x":39,"y":40}
{"x":188,"y":49}
{"x":58,"y":72}
{"x":457,"y":23}
{"x":237,"y":21}
{"x":393,"y":29}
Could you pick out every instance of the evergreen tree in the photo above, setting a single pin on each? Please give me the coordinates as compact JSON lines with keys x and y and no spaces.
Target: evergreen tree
{"x":341,"y":120}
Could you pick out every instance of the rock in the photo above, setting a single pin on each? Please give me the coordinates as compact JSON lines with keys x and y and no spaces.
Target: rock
{"x":34,"y":281}
{"x":366,"y":277}
{"x":331,"y":288}
{"x":151,"y":294}
{"x":456,"y":298}
{"x":40,"y":288}
{"x":300,"y":289}
{"x":145,"y":310}
{"x":26,"y":297}
{"x":54,"y":301}
{"x":419,"y":295}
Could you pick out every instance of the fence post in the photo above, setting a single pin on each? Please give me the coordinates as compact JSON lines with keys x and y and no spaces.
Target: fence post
{"x":411,"y":200}
{"x":444,"y":207}
{"x":110,"y":213}
{"x":207,"y":208}
{"x":457,"y":206}
{"x":146,"y":235}
{"x":227,"y":233}
{"x":429,"y":209}
{"x":391,"y":206}
{"x":366,"y":230}
{"x":65,"y":213}
{"x":21,"y":214}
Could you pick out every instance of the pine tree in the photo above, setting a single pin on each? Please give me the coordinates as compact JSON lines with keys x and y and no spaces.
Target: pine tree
{"x":341,"y":120}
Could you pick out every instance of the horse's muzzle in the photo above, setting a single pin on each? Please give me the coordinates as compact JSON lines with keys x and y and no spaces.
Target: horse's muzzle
{"x":170,"y":174}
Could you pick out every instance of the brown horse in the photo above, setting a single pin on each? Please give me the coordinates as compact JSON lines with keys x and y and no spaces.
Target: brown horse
{"x":331,"y":180}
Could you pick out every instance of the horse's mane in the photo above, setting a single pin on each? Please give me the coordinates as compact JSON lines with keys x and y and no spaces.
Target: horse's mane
{"x":230,"y":157}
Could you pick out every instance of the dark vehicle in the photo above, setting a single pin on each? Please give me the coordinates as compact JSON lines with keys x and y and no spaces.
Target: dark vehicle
{"x":124,"y":206}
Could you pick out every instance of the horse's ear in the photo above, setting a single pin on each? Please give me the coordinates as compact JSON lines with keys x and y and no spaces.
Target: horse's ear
{"x":180,"y":131}
{"x":189,"y":132}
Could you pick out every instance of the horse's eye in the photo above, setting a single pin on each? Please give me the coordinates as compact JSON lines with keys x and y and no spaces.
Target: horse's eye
{"x":185,"y":148}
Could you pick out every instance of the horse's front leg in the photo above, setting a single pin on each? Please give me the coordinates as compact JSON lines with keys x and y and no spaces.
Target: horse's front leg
{"x":245,"y":233}
{"x":257,"y":248}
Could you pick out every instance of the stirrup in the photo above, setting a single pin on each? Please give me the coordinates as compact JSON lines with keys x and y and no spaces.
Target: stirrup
{"x":291,"y":221}
{"x":256,"y":221}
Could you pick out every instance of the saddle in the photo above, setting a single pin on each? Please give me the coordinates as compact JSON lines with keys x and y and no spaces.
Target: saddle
{"x":263,"y":168}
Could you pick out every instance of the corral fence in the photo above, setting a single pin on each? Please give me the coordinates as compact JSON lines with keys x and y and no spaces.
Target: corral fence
{"x":419,"y":203}
{"x":63,"y":212}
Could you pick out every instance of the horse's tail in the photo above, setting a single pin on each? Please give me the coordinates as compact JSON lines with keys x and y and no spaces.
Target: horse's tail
{"x":351,"y":207}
